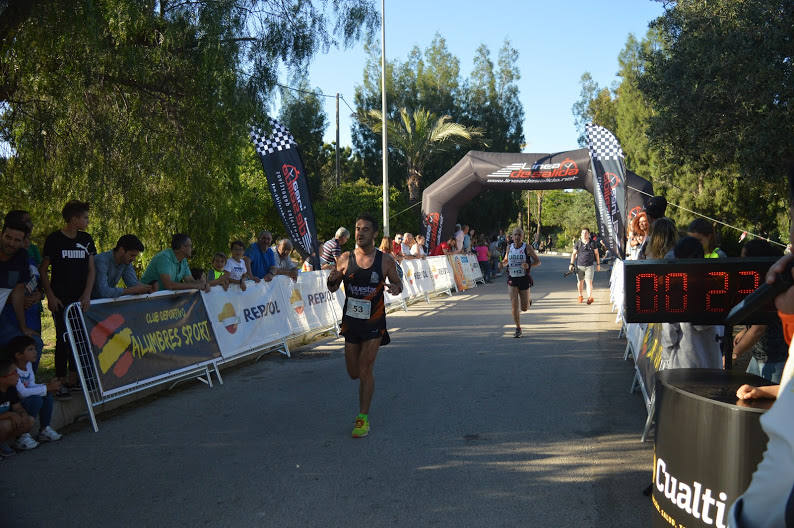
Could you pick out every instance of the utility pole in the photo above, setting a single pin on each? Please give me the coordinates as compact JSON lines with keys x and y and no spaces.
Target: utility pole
{"x":337,"y":139}
{"x":383,"y":112}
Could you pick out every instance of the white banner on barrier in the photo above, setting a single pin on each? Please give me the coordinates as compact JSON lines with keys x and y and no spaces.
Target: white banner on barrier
{"x":441,"y":273}
{"x":312,"y":305}
{"x":243,"y":320}
{"x":417,"y":279}
{"x":476,"y":272}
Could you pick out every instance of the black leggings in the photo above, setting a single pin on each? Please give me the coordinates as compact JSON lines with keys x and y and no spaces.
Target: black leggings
{"x":64,"y":358}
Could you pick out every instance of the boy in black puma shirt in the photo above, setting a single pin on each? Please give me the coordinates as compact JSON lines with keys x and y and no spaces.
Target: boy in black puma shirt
{"x":70,"y":251}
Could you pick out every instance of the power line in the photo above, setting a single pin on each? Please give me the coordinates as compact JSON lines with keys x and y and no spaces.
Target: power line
{"x":347,"y":105}
{"x":305,"y":91}
{"x":341,"y":96}
{"x":712,"y":219}
{"x":406,"y":209}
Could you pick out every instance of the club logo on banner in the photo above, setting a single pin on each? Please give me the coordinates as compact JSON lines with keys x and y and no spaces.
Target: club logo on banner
{"x":609,"y":190}
{"x":286,"y":177}
{"x":132,"y":341}
{"x":243,"y":320}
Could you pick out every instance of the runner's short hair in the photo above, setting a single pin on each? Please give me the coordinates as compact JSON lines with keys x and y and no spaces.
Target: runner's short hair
{"x":74,"y":208}
{"x":129,"y":243}
{"x":368,"y":217}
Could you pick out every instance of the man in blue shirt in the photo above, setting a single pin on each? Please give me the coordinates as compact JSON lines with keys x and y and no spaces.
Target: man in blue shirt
{"x":262,"y":256}
{"x":14,"y":274}
{"x":117,"y":264}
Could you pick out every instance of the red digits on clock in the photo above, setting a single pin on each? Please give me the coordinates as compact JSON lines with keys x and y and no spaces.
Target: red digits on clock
{"x":680,"y":278}
{"x":755,"y":281}
{"x":639,"y":290}
{"x":721,"y":291}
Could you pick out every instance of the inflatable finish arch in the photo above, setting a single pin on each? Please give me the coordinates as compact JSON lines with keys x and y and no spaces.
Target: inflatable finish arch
{"x":615,"y":201}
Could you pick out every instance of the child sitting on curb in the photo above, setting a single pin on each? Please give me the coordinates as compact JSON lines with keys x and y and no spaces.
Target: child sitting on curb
{"x":15,"y":423}
{"x":36,"y":398}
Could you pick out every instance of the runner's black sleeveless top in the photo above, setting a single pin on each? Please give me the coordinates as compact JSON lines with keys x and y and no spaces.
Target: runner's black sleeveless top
{"x":366,"y":284}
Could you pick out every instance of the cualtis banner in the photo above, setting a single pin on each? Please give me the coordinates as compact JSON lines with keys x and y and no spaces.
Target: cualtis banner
{"x":286,"y":177}
{"x":133,"y":341}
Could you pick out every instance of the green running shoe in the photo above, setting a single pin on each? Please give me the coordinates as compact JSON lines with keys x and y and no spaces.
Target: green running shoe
{"x":361,"y":429}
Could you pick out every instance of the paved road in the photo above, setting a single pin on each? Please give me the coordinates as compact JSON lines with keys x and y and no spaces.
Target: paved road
{"x":470,"y":427}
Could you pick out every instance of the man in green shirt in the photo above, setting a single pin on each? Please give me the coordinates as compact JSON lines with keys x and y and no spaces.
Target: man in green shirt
{"x":169,"y":267}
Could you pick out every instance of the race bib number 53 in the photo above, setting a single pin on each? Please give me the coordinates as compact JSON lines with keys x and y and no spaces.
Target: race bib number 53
{"x":358,"y":308}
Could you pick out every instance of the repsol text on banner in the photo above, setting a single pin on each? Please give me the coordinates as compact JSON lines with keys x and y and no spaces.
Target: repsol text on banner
{"x":260,"y":311}
{"x":319,"y":298}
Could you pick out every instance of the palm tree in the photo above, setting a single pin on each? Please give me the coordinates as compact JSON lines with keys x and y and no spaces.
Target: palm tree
{"x":418,"y":137}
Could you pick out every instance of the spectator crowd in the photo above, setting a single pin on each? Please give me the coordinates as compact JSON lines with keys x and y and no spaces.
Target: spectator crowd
{"x":69,"y":269}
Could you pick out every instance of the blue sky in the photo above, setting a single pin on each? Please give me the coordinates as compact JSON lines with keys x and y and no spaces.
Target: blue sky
{"x":557,"y":42}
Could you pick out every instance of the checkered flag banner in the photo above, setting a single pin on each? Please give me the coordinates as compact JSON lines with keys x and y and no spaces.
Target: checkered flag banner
{"x":602,"y":143}
{"x":286,"y":177}
{"x":609,"y":187}
{"x":280,"y":139}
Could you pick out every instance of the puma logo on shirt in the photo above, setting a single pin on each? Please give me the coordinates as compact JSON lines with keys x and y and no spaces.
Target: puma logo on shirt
{"x":75,"y":253}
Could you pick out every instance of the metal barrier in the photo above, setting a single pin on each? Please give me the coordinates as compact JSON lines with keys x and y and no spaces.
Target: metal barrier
{"x":79,"y":340}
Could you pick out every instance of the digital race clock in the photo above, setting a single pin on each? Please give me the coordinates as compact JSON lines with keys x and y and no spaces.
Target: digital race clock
{"x":700,"y":291}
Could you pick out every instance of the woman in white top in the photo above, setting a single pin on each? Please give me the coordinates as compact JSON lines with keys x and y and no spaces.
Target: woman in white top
{"x":418,"y":249}
{"x":519,"y":258}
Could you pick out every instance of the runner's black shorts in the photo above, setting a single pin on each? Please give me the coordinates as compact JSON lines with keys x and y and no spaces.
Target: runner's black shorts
{"x":356,"y":333}
{"x":522,"y":283}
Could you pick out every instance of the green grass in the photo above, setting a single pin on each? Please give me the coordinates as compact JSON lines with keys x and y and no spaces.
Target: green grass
{"x":46,"y":369}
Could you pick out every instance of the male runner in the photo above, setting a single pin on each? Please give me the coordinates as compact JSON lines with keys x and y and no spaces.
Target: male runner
{"x":364,"y":272}
{"x":519,"y":258}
